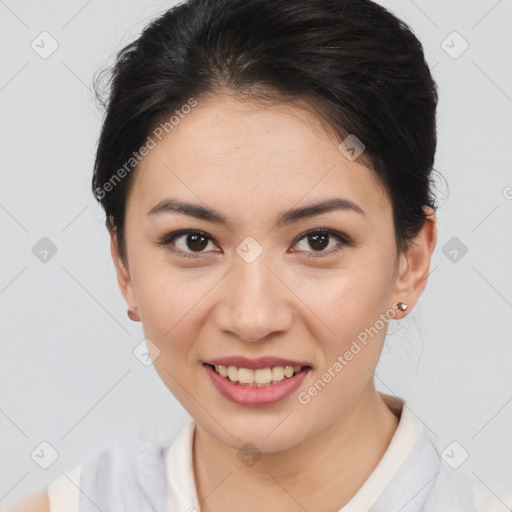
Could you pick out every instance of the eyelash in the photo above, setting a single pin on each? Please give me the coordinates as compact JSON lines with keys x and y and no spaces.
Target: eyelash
{"x":343,"y":240}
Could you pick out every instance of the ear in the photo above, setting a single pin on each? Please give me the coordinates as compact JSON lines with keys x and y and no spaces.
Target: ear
{"x":123,"y":277}
{"x":414,"y":264}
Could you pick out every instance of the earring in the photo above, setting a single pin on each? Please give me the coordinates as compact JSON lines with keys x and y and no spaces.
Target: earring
{"x":401,"y":306}
{"x":131,"y":314}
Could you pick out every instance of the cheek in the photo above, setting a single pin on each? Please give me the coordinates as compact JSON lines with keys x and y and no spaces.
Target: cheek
{"x":171,"y":303}
{"x":349,"y":336}
{"x":171,"y":310}
{"x":346,"y":311}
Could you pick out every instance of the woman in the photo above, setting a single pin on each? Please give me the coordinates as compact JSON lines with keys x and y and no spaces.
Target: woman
{"x":265,"y":169}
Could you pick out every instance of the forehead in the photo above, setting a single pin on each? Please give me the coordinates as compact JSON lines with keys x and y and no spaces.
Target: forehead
{"x":252,"y":155}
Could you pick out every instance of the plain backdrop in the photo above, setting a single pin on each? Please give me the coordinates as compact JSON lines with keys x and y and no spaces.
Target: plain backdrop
{"x":68,"y":376}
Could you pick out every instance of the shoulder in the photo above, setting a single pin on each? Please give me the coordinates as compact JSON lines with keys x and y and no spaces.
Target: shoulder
{"x":457,"y":490}
{"x":64,"y":492}
{"x":62,"y":495}
{"x":133,"y":472}
{"x":128,"y":475}
{"x":38,"y":502}
{"x":490,"y":501}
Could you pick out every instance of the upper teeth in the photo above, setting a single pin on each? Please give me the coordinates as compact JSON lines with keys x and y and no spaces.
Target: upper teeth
{"x":260,"y":376}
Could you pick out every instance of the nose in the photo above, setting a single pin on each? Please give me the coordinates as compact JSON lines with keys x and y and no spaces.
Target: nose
{"x":255,"y":303}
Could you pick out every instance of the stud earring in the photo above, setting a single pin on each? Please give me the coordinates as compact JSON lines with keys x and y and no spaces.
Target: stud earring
{"x":401,"y":306}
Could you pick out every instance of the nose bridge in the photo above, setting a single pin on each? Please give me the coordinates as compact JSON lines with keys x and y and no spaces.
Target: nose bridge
{"x":253,"y":301}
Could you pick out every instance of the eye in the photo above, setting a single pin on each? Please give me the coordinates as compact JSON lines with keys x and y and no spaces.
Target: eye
{"x":319,"y":239}
{"x":189,"y":242}
{"x":194,"y":240}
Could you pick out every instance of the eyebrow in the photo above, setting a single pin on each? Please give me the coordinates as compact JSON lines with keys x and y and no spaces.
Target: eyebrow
{"x":171,"y":205}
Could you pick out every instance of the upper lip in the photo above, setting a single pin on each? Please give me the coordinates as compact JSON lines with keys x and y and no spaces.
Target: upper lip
{"x":261,"y":362}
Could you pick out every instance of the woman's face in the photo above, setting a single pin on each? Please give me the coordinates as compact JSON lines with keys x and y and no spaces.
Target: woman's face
{"x":254,"y":286}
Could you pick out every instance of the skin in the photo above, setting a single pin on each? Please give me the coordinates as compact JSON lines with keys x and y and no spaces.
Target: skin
{"x":251,"y":162}
{"x":38,"y":502}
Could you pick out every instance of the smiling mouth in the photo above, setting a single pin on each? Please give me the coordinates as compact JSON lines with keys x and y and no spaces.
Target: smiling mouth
{"x":262,"y":377}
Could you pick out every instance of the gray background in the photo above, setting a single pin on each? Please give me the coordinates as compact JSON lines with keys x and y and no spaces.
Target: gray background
{"x":67,"y":372}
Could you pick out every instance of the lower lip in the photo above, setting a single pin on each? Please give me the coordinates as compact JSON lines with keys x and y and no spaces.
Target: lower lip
{"x":252,"y":395}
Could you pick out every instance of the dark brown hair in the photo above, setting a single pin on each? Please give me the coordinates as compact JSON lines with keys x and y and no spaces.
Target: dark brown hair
{"x":360,"y":68}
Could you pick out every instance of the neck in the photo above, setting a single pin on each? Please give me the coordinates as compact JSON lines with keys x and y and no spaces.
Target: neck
{"x":345,"y":453}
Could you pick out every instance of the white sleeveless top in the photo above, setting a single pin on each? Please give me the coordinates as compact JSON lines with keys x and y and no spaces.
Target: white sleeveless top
{"x":401,"y":480}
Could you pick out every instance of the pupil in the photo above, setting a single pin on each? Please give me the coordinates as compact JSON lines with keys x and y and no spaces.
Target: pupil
{"x":196,"y":244}
{"x":313,"y":240}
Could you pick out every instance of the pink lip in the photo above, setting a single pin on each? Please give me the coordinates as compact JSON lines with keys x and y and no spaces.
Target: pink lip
{"x":255,"y":364}
{"x":252,"y":395}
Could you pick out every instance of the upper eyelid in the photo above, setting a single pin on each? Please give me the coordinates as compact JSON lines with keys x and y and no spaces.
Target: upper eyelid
{"x":177,"y":234}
